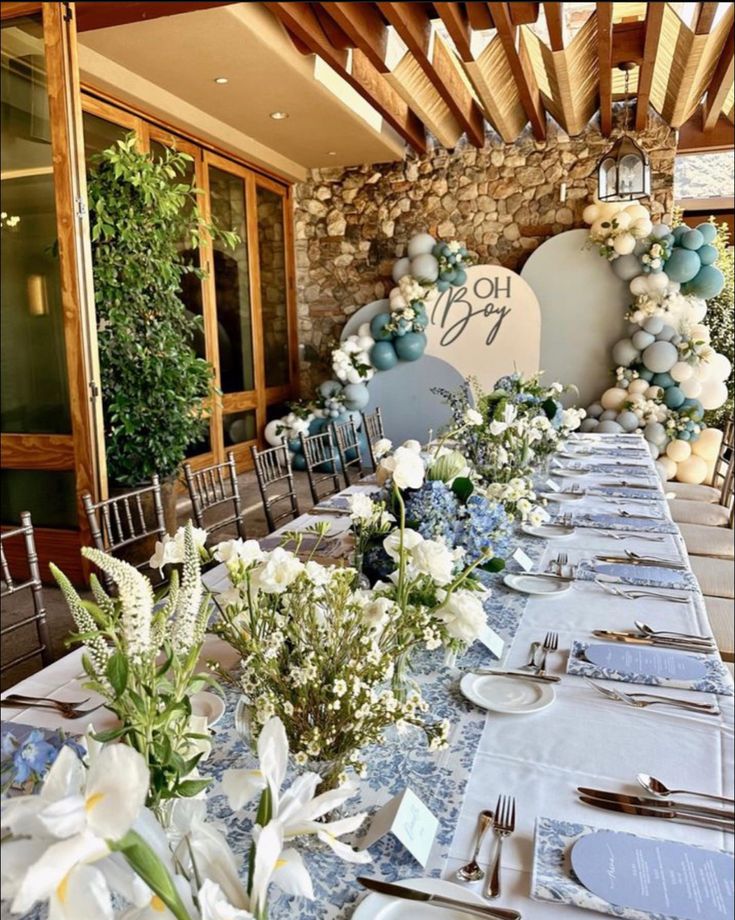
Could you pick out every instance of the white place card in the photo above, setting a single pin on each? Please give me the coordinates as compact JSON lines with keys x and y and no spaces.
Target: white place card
{"x":492,"y":642}
{"x":552,"y":485}
{"x":409,"y":820}
{"x":523,"y":560}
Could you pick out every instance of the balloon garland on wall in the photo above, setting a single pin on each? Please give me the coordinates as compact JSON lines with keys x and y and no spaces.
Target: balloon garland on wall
{"x":667,"y":373}
{"x":428,"y":269}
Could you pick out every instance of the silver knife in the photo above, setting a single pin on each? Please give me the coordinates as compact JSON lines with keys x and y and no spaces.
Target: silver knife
{"x":702,"y":641}
{"x":642,"y":560}
{"x":676,"y":816}
{"x":671,"y":645}
{"x":662,"y":804}
{"x":411,"y":894}
{"x":526,"y":675}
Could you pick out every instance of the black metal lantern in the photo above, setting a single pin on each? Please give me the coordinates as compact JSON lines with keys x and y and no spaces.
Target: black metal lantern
{"x":624,"y":171}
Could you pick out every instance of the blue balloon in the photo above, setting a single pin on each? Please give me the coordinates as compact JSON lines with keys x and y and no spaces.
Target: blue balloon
{"x":411,"y":346}
{"x":692,"y":239}
{"x":460,"y":276}
{"x":294,"y":445}
{"x":356,"y":396}
{"x":663,"y":380}
{"x":442,"y":285}
{"x":383,"y":356}
{"x":696,"y":407}
{"x":673,"y":397}
{"x":708,"y":231}
{"x":707,"y":283}
{"x":685,"y":435}
{"x":330,"y":388}
{"x":316,"y":425}
{"x":707,"y":254}
{"x":645,"y":374}
{"x":298,"y":461}
{"x":449,"y":275}
{"x":377,"y":324}
{"x":679,"y":231}
{"x":683,"y":265}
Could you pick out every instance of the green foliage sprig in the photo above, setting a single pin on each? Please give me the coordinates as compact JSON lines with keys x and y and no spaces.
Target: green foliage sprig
{"x":143,"y":218}
{"x":721,"y":320}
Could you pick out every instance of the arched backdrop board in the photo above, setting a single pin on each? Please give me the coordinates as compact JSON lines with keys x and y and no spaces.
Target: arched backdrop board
{"x":488,"y":327}
{"x":582,"y":308}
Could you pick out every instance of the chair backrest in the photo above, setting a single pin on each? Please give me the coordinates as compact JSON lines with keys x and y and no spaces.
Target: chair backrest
{"x":372,"y":423}
{"x":125,"y":522}
{"x":212,"y":489}
{"x":273,"y":469}
{"x":348,"y":445}
{"x":41,"y":648}
{"x":724,"y":472}
{"x":322,"y":464}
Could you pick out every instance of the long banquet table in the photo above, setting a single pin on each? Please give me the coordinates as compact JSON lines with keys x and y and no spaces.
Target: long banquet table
{"x":581,"y":740}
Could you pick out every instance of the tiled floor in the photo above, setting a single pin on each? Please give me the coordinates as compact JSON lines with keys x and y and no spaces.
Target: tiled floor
{"x":59,"y":620}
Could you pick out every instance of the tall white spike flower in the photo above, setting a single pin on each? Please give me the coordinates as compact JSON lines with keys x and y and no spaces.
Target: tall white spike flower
{"x":186,"y":623}
{"x":136,"y":598}
{"x":99,"y":651}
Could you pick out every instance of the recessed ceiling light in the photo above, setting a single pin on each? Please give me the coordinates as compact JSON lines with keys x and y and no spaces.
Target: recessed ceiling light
{"x":221,"y":80}
{"x":331,"y":153}
{"x":279,"y":116}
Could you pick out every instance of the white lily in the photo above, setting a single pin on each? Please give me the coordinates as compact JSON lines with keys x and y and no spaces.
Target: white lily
{"x":213,"y":904}
{"x":274,"y":864}
{"x":241,"y":786}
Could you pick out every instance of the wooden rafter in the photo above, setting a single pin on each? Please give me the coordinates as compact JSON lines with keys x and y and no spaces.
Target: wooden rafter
{"x":454,"y":17}
{"x":720,"y":84}
{"x":705,"y":18}
{"x":414,"y":27}
{"x":604,"y":44}
{"x":300,"y":19}
{"x":100,"y":14}
{"x":555,"y":25}
{"x":692,"y":139}
{"x":654,"y":22}
{"x":479,"y":16}
{"x":364,"y":26}
{"x":520,"y":68}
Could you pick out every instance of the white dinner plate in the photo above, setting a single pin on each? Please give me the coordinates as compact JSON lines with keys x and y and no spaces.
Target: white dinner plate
{"x":536,"y":584}
{"x":209,"y":705}
{"x":548,"y":531}
{"x":382,"y":907}
{"x":512,"y":695}
{"x":563,"y":496}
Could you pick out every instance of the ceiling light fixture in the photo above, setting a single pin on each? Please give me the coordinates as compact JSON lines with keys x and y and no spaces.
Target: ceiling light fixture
{"x":221,"y":80}
{"x":624,"y":171}
{"x":279,"y":116}
{"x":331,"y":153}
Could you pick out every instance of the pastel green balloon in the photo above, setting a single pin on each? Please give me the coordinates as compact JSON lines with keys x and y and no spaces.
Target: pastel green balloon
{"x":707,"y":254}
{"x":707,"y":283}
{"x":683,"y":265}
{"x":708,"y":231}
{"x":692,"y":239}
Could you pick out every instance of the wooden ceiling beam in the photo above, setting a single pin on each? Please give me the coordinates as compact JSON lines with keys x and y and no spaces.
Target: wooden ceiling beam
{"x":332,"y":29}
{"x":523,"y":14}
{"x":692,"y":139}
{"x":654,"y":22}
{"x":364,"y":26}
{"x":604,"y":45}
{"x":300,"y":19}
{"x":457,"y":24}
{"x":629,"y":40}
{"x":99,"y":14}
{"x":479,"y":16}
{"x":554,"y":14}
{"x":414,"y":27}
{"x":521,"y":69}
{"x":720,"y":84}
{"x":704,"y":18}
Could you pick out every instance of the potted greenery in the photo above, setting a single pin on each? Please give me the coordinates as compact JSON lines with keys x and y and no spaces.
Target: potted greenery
{"x":143,"y":217}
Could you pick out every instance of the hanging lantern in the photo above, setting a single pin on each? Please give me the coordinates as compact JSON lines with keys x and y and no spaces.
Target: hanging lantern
{"x":624,"y":171}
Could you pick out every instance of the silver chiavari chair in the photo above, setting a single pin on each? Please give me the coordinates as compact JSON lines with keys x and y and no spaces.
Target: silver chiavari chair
{"x":322,"y":464}
{"x":273,"y":471}
{"x":372,"y":423}
{"x":348,"y":446}
{"x":11,"y":623}
{"x":212,"y":490}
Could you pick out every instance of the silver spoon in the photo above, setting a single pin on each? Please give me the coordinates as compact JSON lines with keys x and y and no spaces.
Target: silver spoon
{"x":472,"y":871}
{"x":657,"y":788}
{"x":644,"y":628}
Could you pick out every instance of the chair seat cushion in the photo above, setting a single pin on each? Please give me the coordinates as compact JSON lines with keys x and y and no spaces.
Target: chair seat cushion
{"x":692,"y":492}
{"x":715,"y":576}
{"x":708,"y":541}
{"x":722,"y":622}
{"x":685,"y":511}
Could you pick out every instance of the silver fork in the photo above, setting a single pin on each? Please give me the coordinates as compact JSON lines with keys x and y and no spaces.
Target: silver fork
{"x":505,"y":824}
{"x":636,"y":595}
{"x":644,"y":700}
{"x":551,"y":644}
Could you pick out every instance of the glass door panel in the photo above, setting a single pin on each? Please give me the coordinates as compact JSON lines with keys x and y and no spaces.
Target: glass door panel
{"x":273,"y":286}
{"x":232,"y":284}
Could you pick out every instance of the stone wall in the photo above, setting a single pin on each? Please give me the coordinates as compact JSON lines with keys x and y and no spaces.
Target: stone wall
{"x":503,"y":201}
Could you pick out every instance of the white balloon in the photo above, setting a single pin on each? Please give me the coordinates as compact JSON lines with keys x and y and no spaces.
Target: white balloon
{"x":657,"y":281}
{"x":613,"y":398}
{"x":624,"y":244}
{"x":678,"y":450}
{"x":654,"y":392}
{"x":700,"y":331}
{"x":697,"y":309}
{"x":638,"y":386}
{"x":681,"y":371}
{"x":591,"y":213}
{"x":364,"y":329}
{"x":639,"y":286}
{"x":598,"y":229}
{"x":653,"y":450}
{"x":270,"y":435}
{"x":693,"y":469}
{"x":365,"y":342}
{"x":637,"y":212}
{"x":623,"y":220}
{"x":713,"y":395}
{"x":720,"y":367}
{"x":707,"y":445}
{"x":666,"y":468}
{"x":691,"y":388}
{"x":641,"y":228}
{"x":609,"y":209}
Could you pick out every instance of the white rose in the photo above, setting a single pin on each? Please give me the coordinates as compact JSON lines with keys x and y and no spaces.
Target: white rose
{"x":361,"y":507}
{"x":382,"y":447}
{"x":392,"y":543}
{"x":412,"y":444}
{"x":405,"y":467}
{"x":463,"y":615}
{"x":279,"y":570}
{"x":433,"y":559}
{"x":473,"y":417}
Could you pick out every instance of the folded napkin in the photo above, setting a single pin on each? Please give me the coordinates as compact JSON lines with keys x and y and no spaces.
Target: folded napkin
{"x":651,"y":495}
{"x":715,"y":678}
{"x":640,"y":524}
{"x":649,"y":576}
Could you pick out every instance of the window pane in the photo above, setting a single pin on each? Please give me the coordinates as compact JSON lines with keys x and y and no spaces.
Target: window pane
{"x":238,"y":427}
{"x":271,"y":245}
{"x":33,"y":380}
{"x":99,"y":134}
{"x":232,"y":284}
{"x":703,"y":175}
{"x":49,"y":495}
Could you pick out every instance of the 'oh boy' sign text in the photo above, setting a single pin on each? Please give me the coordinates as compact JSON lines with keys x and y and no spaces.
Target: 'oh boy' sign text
{"x":487,"y":327}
